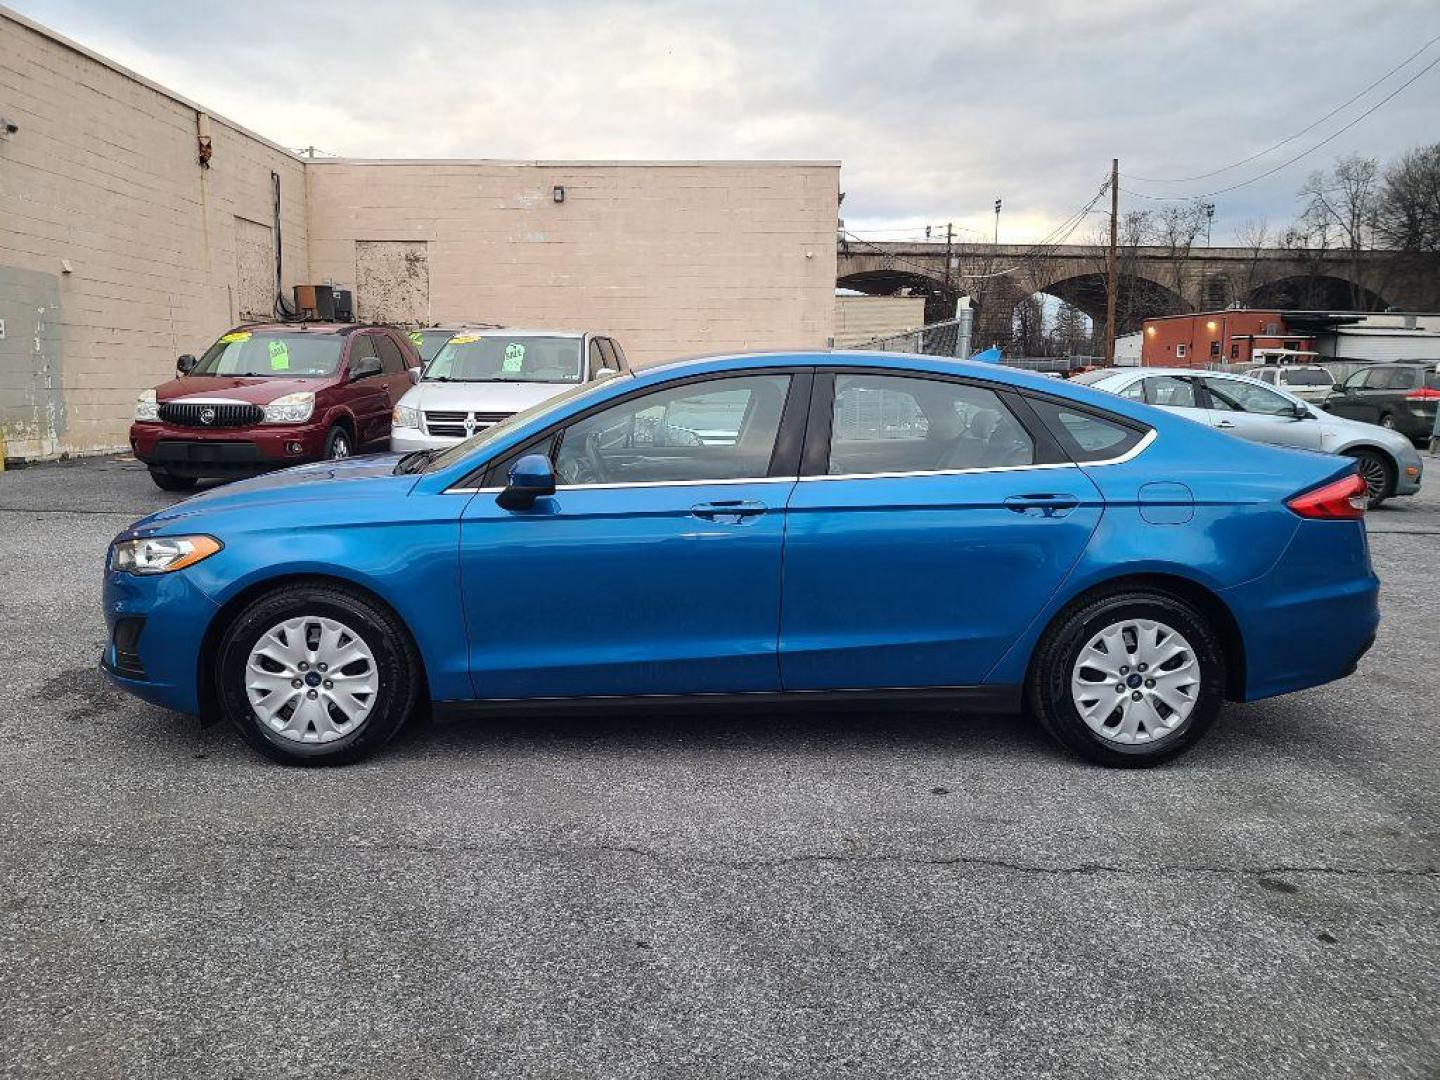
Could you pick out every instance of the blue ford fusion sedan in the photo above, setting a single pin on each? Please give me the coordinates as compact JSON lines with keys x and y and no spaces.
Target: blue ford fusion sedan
{"x":823,"y":527}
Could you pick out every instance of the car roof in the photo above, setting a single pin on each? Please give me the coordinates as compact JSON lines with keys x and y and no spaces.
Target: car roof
{"x":306,"y":327}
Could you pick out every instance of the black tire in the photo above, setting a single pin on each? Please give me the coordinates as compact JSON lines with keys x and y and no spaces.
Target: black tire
{"x":1378,"y":473}
{"x":170,"y":482}
{"x":1388,"y":422}
{"x":396,"y":663}
{"x":339,"y":443}
{"x":1048,"y":689}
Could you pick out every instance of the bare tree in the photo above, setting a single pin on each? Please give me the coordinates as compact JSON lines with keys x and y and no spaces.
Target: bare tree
{"x":1342,"y":209}
{"x":1408,"y":215}
{"x":1254,"y":237}
{"x":1175,"y":228}
{"x":1029,"y":336}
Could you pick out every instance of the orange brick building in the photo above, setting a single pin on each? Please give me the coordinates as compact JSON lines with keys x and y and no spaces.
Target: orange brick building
{"x":1219,"y":337}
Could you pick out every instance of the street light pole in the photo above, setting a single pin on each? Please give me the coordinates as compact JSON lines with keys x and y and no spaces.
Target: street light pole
{"x":997,"y":222}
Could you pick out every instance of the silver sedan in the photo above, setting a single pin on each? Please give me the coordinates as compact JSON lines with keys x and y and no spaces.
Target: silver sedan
{"x":1252,"y":410}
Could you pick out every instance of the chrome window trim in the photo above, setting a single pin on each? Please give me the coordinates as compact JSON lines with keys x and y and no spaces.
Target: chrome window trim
{"x":1134,"y":452}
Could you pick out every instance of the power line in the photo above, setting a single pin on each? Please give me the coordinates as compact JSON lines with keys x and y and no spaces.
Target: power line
{"x":1289,"y":138}
{"x":1303,"y":154}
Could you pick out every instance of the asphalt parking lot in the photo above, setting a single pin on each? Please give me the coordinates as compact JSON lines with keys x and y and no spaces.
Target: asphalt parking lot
{"x":885,"y":894}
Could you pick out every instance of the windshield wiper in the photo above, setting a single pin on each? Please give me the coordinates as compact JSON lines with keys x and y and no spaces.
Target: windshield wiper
{"x":413,"y":461}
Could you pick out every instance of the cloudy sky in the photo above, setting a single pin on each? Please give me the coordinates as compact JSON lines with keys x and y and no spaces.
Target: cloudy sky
{"x":934,"y":108}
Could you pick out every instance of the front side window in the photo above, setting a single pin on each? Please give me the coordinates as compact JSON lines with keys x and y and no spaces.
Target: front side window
{"x":1170,"y":391}
{"x":898,"y":424}
{"x":282,"y":355}
{"x":1233,"y":396}
{"x":507,"y":358}
{"x":362,"y":348}
{"x":718,"y":429}
{"x":391,"y":358}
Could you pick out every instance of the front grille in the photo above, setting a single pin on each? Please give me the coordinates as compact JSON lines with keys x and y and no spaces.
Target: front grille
{"x":198,"y":414}
{"x":452,"y":424}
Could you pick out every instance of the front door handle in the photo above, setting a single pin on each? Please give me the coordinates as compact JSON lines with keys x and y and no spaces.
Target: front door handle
{"x":1044,"y":504}
{"x":1224,"y":423}
{"x":729,"y":511}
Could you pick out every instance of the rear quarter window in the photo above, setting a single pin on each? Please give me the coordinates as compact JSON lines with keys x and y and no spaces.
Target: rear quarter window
{"x":1085,"y":435}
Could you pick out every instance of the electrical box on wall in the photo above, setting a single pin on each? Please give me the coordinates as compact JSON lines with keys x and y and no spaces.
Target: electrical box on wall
{"x":325,"y":303}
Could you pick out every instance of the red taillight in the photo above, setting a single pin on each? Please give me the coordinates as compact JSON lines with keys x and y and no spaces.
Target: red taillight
{"x":1425,"y":393}
{"x":1339,"y":500}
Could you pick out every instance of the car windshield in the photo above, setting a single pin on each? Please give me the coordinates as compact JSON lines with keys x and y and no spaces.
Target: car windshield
{"x":503,"y":358}
{"x":265,"y":354}
{"x":1308,"y":377}
{"x":493,"y":433}
{"x":429,"y":342}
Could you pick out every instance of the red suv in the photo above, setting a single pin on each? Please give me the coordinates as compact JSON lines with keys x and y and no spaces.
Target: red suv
{"x":270,"y":395}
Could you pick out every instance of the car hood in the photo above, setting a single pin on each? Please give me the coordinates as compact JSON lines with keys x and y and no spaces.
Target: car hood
{"x":347,"y":479}
{"x":501,"y":397}
{"x":258,"y":391}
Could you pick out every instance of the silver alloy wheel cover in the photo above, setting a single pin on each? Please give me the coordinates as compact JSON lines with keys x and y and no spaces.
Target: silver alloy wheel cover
{"x":335,"y":672}
{"x":1135,"y":682}
{"x":340,"y":447}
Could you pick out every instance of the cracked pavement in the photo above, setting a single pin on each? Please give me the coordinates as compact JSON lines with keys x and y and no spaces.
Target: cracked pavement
{"x":869,"y":894}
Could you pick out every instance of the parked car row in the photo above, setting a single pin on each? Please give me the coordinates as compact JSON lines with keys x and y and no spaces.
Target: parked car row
{"x":270,"y":395}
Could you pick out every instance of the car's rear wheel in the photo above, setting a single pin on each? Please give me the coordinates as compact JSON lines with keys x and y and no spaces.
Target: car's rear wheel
{"x":317,"y":674}
{"x":337,"y":444}
{"x":1376,"y":471}
{"x":166,"y":481}
{"x":1128,"y":679}
{"x":1387,"y":421}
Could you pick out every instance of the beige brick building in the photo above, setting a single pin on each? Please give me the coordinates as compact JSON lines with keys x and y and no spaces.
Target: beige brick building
{"x":119,"y":250}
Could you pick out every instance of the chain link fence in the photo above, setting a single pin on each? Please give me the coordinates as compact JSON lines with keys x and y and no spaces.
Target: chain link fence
{"x":952,"y":338}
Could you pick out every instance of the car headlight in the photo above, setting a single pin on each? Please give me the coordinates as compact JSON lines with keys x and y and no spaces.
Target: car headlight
{"x":405,"y":417}
{"x":161,"y":554}
{"x":290,"y":409}
{"x":146,"y":407}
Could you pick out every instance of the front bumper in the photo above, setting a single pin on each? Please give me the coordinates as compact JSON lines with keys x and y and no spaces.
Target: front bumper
{"x":188,"y":451}
{"x":160,"y":664}
{"x":1410,"y":473}
{"x":404,"y":440}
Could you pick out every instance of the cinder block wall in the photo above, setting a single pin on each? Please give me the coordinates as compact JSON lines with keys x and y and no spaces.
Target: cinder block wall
{"x":103,"y":175}
{"x":859,"y":319}
{"x":673,"y":258}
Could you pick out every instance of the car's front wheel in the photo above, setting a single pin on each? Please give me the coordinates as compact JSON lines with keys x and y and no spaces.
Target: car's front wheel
{"x":337,"y":444}
{"x":317,"y":674}
{"x":1129,"y":679}
{"x":166,"y":481}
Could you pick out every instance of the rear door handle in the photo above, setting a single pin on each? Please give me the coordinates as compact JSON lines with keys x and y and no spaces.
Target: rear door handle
{"x":729,"y":511}
{"x":1044,"y":504}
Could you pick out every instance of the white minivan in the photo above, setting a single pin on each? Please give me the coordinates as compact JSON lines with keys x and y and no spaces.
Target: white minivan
{"x":480,"y":377}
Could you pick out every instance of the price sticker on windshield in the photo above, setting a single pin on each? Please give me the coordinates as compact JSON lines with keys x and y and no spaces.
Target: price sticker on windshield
{"x":463,"y":339}
{"x":279,"y":356}
{"x":416,"y":338}
{"x":239,"y":335}
{"x":514,"y":357}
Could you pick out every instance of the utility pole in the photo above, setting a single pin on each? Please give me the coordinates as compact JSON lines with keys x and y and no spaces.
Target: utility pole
{"x":1112,"y":263}
{"x":949,"y":246}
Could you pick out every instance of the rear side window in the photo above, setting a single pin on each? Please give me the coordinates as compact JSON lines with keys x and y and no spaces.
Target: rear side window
{"x":1400,"y":379}
{"x":1086,"y":436}
{"x":1170,"y":391}
{"x":899,"y":424}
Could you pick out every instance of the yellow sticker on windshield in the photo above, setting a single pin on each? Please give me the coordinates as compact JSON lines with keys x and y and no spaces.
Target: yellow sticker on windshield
{"x":279,"y":356}
{"x":514,"y":357}
{"x":239,"y":335}
{"x":463,"y":339}
{"x":416,"y":338}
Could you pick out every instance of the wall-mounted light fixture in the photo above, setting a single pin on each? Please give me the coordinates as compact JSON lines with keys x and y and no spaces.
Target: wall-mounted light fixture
{"x":559,"y":193}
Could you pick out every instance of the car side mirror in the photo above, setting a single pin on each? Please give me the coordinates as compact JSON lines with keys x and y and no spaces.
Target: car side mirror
{"x":364,"y":367}
{"x":531,"y":478}
{"x":1301,"y":412}
{"x":414,"y":374}
{"x":186,"y":364}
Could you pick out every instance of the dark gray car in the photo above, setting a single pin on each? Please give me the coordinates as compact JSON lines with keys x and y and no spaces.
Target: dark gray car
{"x":1401,"y":397}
